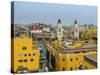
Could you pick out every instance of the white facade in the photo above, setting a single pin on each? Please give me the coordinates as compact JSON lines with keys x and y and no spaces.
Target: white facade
{"x":76,"y":30}
{"x":46,"y":29}
{"x":36,"y":31}
{"x":59,"y":30}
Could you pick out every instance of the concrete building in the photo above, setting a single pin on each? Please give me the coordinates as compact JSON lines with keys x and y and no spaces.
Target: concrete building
{"x":46,"y":29}
{"x":35,"y":28}
{"x":42,"y":37}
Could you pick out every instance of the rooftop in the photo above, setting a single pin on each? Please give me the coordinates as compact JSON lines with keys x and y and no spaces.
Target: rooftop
{"x":92,"y":57}
{"x":75,"y":50}
{"x":83,"y":48}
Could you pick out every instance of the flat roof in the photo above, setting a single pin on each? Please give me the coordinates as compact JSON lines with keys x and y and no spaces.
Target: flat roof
{"x":75,"y":50}
{"x":84,"y":48}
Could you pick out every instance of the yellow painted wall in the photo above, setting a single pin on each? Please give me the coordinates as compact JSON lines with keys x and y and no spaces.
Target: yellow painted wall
{"x":26,"y":54}
{"x":68,"y":61}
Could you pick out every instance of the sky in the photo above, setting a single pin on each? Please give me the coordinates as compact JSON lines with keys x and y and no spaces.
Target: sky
{"x":49,"y":13}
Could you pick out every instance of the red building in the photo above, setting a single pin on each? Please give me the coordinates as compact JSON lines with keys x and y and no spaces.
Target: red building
{"x":35,"y":27}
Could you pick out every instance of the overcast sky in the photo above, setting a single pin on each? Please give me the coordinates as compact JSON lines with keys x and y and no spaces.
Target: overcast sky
{"x":30,"y":12}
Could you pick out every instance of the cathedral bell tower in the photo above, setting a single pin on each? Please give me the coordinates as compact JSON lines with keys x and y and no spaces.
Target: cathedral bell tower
{"x":59,"y":30}
{"x":76,"y":30}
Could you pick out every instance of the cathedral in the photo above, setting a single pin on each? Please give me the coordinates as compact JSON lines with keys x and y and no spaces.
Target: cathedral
{"x":76,"y":30}
{"x":59,"y":30}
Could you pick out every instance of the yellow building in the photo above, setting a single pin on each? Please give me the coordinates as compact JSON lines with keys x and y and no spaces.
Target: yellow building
{"x":62,"y":58}
{"x":69,"y":61}
{"x":24,"y":55}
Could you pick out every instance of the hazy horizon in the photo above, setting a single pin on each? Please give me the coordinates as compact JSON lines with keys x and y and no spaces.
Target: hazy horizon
{"x":49,"y":13}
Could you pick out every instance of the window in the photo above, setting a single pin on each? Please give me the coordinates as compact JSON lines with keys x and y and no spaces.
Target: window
{"x":63,"y":59}
{"x":25,"y":60}
{"x":25,"y":54}
{"x":20,"y":60}
{"x":31,"y":60}
{"x":29,"y":54}
{"x":71,"y":60}
{"x":76,"y":58}
{"x":59,"y":30}
{"x":63,"y":69}
{"x":24,"y":48}
{"x":33,"y":54}
{"x":71,"y":68}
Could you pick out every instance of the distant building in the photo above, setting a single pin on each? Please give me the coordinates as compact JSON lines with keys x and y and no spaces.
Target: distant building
{"x":19,"y":29}
{"x":59,"y":30}
{"x":76,"y":30}
{"x":68,"y":34}
{"x":42,"y":37}
{"x":46,"y":29}
{"x":35,"y":28}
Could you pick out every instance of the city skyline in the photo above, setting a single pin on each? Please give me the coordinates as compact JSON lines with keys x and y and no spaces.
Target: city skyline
{"x":49,"y":13}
